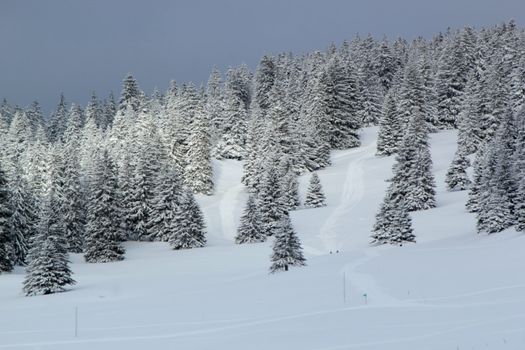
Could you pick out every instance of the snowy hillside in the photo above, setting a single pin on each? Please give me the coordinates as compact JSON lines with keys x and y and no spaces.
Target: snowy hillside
{"x":453,"y":289}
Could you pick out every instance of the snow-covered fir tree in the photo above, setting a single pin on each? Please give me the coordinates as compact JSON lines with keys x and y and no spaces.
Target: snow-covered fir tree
{"x":457,"y":178}
{"x":287,"y":250}
{"x":315,"y":197}
{"x":103,"y":232}
{"x":23,"y":218}
{"x":166,"y":204}
{"x":250,"y":228}
{"x":48,"y":270}
{"x":188,"y":230}
{"x":393,"y":224}
{"x":199,"y":173}
{"x":6,"y":243}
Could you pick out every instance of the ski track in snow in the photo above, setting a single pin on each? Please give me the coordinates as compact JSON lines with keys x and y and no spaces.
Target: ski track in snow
{"x":227,"y":207}
{"x":353,"y":192}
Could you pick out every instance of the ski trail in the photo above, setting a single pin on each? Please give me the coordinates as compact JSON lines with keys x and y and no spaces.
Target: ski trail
{"x":353,"y":192}
{"x":227,"y":208}
{"x":365,"y":284}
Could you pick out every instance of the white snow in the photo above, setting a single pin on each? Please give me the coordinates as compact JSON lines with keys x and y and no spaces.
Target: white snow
{"x":454,"y":289}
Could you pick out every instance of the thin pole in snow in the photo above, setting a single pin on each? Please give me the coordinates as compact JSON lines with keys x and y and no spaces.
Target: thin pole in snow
{"x":76,"y":321}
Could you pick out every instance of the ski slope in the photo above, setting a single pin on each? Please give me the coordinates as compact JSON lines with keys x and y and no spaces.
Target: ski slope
{"x":454,"y":289}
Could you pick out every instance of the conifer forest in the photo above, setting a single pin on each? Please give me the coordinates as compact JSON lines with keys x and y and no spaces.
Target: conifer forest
{"x":349,"y":173}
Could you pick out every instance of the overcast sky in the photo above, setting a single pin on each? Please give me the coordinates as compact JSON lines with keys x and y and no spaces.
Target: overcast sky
{"x":74,"y":46}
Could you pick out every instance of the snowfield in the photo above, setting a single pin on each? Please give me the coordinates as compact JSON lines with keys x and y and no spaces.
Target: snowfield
{"x":454,"y":289}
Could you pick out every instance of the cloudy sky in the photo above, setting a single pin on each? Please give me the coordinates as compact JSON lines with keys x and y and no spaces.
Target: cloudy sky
{"x":74,"y":46}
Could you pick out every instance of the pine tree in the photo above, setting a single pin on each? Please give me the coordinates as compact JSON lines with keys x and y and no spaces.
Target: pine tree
{"x":315,"y":197}
{"x":48,"y":270}
{"x":393,"y":223}
{"x":271,"y":208}
{"x":287,"y":250}
{"x":520,"y":206}
{"x":289,"y":185}
{"x":456,"y":177}
{"x":250,"y":229}
{"x":6,"y":247}
{"x":494,"y":212}
{"x":23,"y":216}
{"x":388,"y":137}
{"x":231,"y":144}
{"x":341,"y":95}
{"x":199,"y":173}
{"x":264,"y":80}
{"x":103,"y":233}
{"x":166,"y":204}
{"x":188,"y":230}
{"x":413,"y":182}
{"x":473,"y":201}
{"x":58,"y":121}
{"x":130,"y":96}
{"x":73,"y":192}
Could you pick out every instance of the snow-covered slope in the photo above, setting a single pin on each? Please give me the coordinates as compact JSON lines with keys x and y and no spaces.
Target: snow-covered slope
{"x":454,"y":289}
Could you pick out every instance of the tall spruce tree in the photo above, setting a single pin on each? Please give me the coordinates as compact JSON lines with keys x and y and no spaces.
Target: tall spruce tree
{"x":103,"y":235}
{"x":6,"y":243}
{"x":188,"y":230}
{"x":199,"y":173}
{"x":315,"y":197}
{"x":48,"y":270}
{"x":287,"y":250}
{"x":250,"y":229}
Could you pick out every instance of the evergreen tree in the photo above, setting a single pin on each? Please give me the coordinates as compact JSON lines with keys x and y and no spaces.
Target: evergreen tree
{"x":341,"y":96}
{"x":103,"y":233}
{"x":287,"y":250}
{"x":6,"y":247}
{"x":264,"y":80}
{"x":413,"y":181}
{"x":250,"y":229}
{"x":147,"y":161}
{"x":130,"y":96}
{"x":166,"y":204}
{"x":231,"y":144}
{"x":58,"y":121}
{"x":48,"y":270}
{"x":473,"y":201}
{"x":315,"y":197}
{"x":188,"y":230}
{"x":289,"y":185}
{"x":23,"y":216}
{"x":456,"y":177}
{"x":393,"y":223}
{"x":387,"y":137}
{"x":199,"y":173}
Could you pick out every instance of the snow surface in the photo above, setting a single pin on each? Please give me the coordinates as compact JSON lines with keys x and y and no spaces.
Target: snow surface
{"x":454,"y":289}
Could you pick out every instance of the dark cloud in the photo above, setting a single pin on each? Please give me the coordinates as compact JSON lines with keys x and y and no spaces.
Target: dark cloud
{"x":79,"y":46}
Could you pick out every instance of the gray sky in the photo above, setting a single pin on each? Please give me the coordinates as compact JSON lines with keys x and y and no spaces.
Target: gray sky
{"x":79,"y":46}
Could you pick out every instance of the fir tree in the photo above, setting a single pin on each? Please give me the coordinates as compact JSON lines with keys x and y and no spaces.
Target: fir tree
{"x":23,"y":216}
{"x":393,"y":223}
{"x":250,"y":229}
{"x":188,"y":230}
{"x":199,"y":173}
{"x":341,"y":96}
{"x":456,"y":177}
{"x":387,"y":137}
{"x":315,"y":197}
{"x":166,"y":204}
{"x":231,"y":144}
{"x":48,"y":270}
{"x":6,"y":247}
{"x":103,"y":233}
{"x":287,"y":250}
